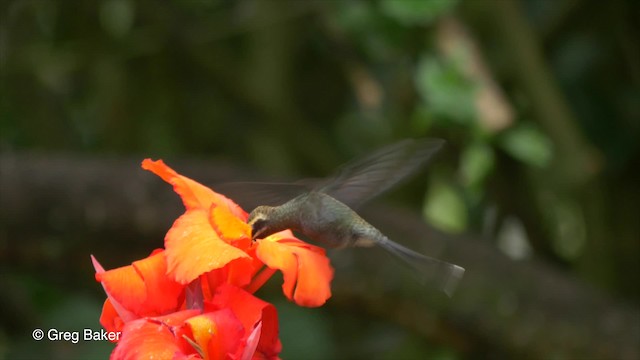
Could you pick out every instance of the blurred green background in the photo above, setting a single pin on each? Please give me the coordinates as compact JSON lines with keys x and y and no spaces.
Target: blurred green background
{"x":539,"y":102}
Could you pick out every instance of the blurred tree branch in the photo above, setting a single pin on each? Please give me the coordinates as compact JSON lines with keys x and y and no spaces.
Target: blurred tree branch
{"x":55,"y":210}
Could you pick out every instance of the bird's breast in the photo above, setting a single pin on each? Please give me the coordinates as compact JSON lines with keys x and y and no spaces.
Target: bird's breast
{"x":325,"y":220}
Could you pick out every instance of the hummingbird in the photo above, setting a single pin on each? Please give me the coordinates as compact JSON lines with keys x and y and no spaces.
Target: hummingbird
{"x":325,"y":213}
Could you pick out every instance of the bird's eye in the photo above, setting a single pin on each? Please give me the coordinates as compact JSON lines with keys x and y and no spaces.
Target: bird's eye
{"x":257,"y":227}
{"x":258,"y":224}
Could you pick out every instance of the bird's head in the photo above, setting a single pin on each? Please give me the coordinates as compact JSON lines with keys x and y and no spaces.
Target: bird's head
{"x":261,"y":221}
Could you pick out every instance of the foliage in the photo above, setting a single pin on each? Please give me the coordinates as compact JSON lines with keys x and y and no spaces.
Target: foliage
{"x":538,"y":105}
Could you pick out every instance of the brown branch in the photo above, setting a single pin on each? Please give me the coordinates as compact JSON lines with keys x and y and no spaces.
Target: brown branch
{"x":102,"y":206}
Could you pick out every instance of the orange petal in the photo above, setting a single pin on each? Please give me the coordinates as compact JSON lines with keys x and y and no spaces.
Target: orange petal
{"x":141,"y":289}
{"x":238,"y":272}
{"x":109,"y":319}
{"x":193,"y":194}
{"x":152,"y":338}
{"x":219,"y":334}
{"x":125,"y":286}
{"x":305,"y":267}
{"x":229,"y":226}
{"x":251,"y":312}
{"x":194,"y":248}
{"x":163,"y":293}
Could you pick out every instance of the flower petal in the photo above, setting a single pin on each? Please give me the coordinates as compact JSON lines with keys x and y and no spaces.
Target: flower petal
{"x":153,"y":338}
{"x":305,"y":267}
{"x":193,"y":194}
{"x":219,"y":334}
{"x":238,"y":272}
{"x":141,"y":289}
{"x":107,"y":319}
{"x":110,"y":319}
{"x":163,"y":293}
{"x":229,"y":226}
{"x":251,"y":312}
{"x":252,"y":343}
{"x":194,"y":248}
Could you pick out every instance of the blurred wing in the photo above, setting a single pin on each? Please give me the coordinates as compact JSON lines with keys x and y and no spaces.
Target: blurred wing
{"x":368,"y":177}
{"x":250,"y":195}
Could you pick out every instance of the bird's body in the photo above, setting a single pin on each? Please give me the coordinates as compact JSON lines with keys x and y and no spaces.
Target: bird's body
{"x":322,"y":216}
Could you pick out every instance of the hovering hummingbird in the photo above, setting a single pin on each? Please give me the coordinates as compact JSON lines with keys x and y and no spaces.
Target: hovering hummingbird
{"x":325,"y":212}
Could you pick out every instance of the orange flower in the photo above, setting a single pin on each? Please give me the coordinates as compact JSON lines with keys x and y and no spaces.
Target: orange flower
{"x":213,"y":233}
{"x":194,"y":299}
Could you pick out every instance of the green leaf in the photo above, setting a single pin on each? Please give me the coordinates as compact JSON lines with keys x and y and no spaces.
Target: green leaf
{"x":416,"y":12}
{"x":446,"y":91}
{"x":476,"y":162}
{"x":445,"y":208}
{"x":528,"y":144}
{"x":117,"y":17}
{"x":372,"y":33}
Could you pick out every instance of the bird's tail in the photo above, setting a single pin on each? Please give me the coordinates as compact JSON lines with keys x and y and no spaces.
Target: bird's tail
{"x":440,"y":273}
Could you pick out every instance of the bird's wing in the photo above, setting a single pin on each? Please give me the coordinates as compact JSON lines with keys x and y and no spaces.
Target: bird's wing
{"x":249,"y":195}
{"x":363,"y":179}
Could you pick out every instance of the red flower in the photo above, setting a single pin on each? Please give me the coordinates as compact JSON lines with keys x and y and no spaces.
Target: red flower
{"x":235,"y":325}
{"x":194,"y":298}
